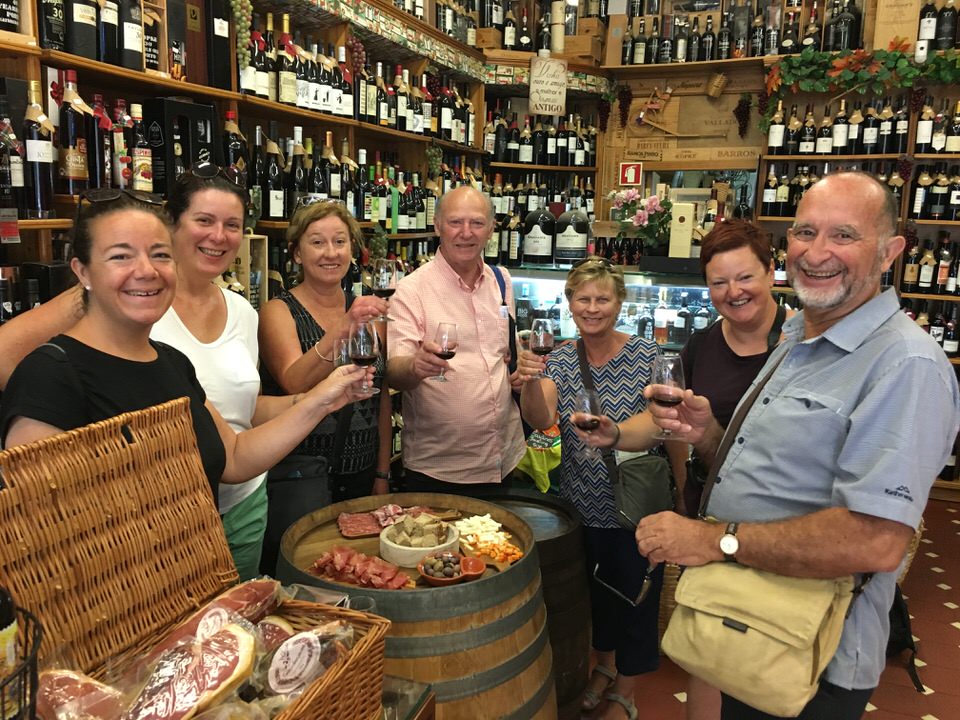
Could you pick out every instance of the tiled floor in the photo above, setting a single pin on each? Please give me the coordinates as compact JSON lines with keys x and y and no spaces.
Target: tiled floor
{"x":932,"y":589}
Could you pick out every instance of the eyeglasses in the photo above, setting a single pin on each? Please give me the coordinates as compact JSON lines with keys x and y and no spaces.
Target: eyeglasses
{"x":209,"y":170}
{"x":308,"y":200}
{"x":603,"y":262}
{"x":102,"y":195}
{"x":644,"y":588}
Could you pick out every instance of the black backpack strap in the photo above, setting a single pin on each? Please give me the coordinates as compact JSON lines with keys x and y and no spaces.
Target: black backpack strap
{"x":773,"y":337}
{"x":512,"y":339}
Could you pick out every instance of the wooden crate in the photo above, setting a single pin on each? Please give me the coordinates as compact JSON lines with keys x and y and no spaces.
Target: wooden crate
{"x":110,"y":536}
{"x":253,"y":256}
{"x":585,"y":49}
{"x":619,"y":24}
{"x":592,"y":26}
{"x":489,"y":39}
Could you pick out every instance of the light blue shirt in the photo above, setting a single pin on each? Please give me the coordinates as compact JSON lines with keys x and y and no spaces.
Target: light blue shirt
{"x":862,"y":417}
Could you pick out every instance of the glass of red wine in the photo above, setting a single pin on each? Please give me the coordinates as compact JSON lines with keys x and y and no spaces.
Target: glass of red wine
{"x":667,"y":372}
{"x":446,"y":338}
{"x":364,"y":344}
{"x":541,"y":338}
{"x":384,"y":281}
{"x":588,"y":411}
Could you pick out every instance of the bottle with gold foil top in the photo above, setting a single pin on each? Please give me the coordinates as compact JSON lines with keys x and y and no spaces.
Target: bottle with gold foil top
{"x":38,"y":168}
{"x":74,"y":173}
{"x":140,"y":152}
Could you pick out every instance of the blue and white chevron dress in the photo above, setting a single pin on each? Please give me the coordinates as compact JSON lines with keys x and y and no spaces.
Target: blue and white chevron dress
{"x":619,"y":383}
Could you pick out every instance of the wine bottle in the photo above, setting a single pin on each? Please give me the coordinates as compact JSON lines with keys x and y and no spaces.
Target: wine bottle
{"x":131,"y":34}
{"x":271,"y":54}
{"x":11,"y":160}
{"x":790,"y":42}
{"x":953,"y":132}
{"x":885,"y":139}
{"x":926,"y":32}
{"x":769,"y":207}
{"x":539,"y":143}
{"x":951,"y":336}
{"x":273,"y":191}
{"x":513,"y":142}
{"x":285,"y":66}
{"x":901,"y":128}
{"x":694,"y":42}
{"x":10,"y":17}
{"x":142,"y":157}
{"x":941,"y":283}
{"x":918,"y":208}
{"x":51,"y":24}
{"x":639,"y":49}
{"x":74,"y":173}
{"x":776,"y":134}
{"x":708,"y":43}
{"x":510,"y":29}
{"x":572,"y":232}
{"x":841,"y":130}
{"x":539,"y":228}
{"x":911,"y":269}
{"x":812,"y":33}
{"x":665,"y":50}
{"x":928,"y":269}
{"x":681,"y":40}
{"x":38,"y":165}
{"x":743,"y":211}
{"x":120,"y":140}
{"x":302,"y":72}
{"x":235,"y":147}
{"x":825,"y":134}
{"x":925,"y":127}
{"x":82,"y":31}
{"x":946,"y":30}
{"x":938,"y":193}
{"x":525,"y":152}
{"x":757,"y":37}
{"x":953,"y":203}
{"x":653,"y":44}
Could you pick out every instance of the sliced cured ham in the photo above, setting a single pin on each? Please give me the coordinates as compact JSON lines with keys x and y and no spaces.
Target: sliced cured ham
{"x":252,"y":600}
{"x":344,"y":564}
{"x":194,"y":676}
{"x":69,"y":694}
{"x":274,"y":631}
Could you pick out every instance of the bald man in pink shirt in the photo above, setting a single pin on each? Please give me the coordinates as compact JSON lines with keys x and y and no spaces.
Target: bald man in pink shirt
{"x":465,"y":435}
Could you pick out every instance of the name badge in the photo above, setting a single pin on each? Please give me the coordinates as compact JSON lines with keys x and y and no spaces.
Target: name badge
{"x":504,"y":312}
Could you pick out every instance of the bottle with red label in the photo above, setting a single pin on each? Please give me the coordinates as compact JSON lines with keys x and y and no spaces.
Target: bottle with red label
{"x":74,"y":173}
{"x":140,"y":152}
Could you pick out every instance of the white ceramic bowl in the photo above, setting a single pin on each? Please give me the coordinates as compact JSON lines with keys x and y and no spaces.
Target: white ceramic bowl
{"x":409,"y":557}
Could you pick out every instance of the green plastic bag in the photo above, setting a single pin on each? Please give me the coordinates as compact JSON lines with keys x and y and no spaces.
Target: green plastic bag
{"x":542,"y":456}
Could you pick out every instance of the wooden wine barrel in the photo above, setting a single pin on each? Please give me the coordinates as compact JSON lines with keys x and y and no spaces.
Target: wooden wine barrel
{"x":559,"y":538}
{"x":483,"y":645}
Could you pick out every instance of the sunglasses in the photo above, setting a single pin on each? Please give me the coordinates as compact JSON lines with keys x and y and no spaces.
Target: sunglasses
{"x":209,"y":170}
{"x":603,"y":262}
{"x":644,"y":587}
{"x":306,"y":201}
{"x":102,"y":195}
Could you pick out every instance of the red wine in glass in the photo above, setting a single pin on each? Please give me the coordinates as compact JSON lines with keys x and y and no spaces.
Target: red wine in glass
{"x":446,"y":354}
{"x":541,"y":350}
{"x":384,"y":292}
{"x":667,"y":400}
{"x":588,"y":425}
{"x":363,"y":360}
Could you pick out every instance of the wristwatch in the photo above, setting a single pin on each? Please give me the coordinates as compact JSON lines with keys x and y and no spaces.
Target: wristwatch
{"x":729,"y":544}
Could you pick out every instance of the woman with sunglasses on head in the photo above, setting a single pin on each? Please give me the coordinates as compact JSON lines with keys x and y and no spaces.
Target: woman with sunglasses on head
{"x":215,"y":329}
{"x":346,"y":456}
{"x":106,"y":364}
{"x":624,"y":627}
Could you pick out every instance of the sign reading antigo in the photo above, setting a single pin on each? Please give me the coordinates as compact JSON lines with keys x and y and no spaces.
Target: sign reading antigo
{"x":548,"y":86}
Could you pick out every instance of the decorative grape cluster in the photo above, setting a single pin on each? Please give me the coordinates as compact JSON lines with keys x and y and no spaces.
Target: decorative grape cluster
{"x":243,"y":15}
{"x":433,"y":84}
{"x":603,"y":114}
{"x":358,"y":53}
{"x":910,"y":234}
{"x":434,"y":159}
{"x":917,"y":96}
{"x":742,"y":113}
{"x":762,"y":101}
{"x":624,"y":100}
{"x":905,"y":168}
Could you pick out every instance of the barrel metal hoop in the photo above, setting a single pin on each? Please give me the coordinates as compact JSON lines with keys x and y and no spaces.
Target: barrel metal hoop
{"x":450,"y":690}
{"x":530,"y":707}
{"x":432,"y":645}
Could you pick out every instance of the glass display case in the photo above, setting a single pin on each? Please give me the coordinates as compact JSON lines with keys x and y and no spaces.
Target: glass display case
{"x":665,"y":308}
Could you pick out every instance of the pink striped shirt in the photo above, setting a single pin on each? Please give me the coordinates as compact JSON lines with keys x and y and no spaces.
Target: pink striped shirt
{"x":466,"y":430}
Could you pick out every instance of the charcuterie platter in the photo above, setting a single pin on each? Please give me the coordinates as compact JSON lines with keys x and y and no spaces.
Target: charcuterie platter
{"x":372,"y":522}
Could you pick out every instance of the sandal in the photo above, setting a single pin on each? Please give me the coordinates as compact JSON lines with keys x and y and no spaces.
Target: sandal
{"x":591,"y":697}
{"x":623,"y":702}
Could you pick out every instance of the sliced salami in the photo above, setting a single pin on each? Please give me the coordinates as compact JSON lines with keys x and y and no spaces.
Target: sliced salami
{"x":69,"y":694}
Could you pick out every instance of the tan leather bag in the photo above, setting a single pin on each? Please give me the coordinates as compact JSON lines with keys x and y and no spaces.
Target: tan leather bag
{"x":761,"y":638}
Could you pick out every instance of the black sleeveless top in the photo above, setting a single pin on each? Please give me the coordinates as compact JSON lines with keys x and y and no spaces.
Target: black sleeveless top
{"x":362,"y":441}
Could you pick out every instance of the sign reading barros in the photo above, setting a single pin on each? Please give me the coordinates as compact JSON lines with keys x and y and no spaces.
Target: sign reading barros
{"x":548,"y":86}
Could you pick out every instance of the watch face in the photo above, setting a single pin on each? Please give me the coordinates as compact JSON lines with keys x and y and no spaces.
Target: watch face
{"x":729,"y":544}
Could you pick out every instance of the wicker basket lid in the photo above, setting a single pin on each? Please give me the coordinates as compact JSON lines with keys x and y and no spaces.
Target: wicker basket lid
{"x":109,"y":533}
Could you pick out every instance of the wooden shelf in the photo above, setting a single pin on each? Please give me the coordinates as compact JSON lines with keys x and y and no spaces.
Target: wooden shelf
{"x":142,"y":83}
{"x":952,"y":223}
{"x":773,"y":218}
{"x":272,"y":224}
{"x":390,"y":132}
{"x":814,"y":157}
{"x":258,"y":106}
{"x":652,"y":70}
{"x":955,"y":360}
{"x":12,"y":48}
{"x":936,"y":156}
{"x":548,"y":168}
{"x":946,"y":490}
{"x":412,"y":236}
{"x":930,"y":296}
{"x":283,"y":224}
{"x":457,"y":147}
{"x":49,"y":224}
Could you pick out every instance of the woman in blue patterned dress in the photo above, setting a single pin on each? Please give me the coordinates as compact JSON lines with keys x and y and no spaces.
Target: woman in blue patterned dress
{"x":624,"y":634}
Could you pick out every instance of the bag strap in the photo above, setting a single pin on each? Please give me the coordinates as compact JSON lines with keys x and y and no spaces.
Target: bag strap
{"x":609,"y":459}
{"x":512,"y":331}
{"x":59,"y":354}
{"x":773,"y":337}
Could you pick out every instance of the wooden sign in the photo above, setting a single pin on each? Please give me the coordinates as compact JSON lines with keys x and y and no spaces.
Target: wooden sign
{"x":548,"y":86}
{"x":631,"y":173}
{"x":895,"y":18}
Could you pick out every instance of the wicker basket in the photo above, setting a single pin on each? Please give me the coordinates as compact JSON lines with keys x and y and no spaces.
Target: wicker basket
{"x":109,"y":535}
{"x":911,"y":552}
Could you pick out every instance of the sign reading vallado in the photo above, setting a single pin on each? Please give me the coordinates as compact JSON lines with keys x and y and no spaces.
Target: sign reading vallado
{"x":548,"y":86}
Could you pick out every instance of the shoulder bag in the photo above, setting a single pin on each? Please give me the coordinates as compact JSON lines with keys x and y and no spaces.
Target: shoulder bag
{"x":642,"y":485}
{"x":762,"y":638}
